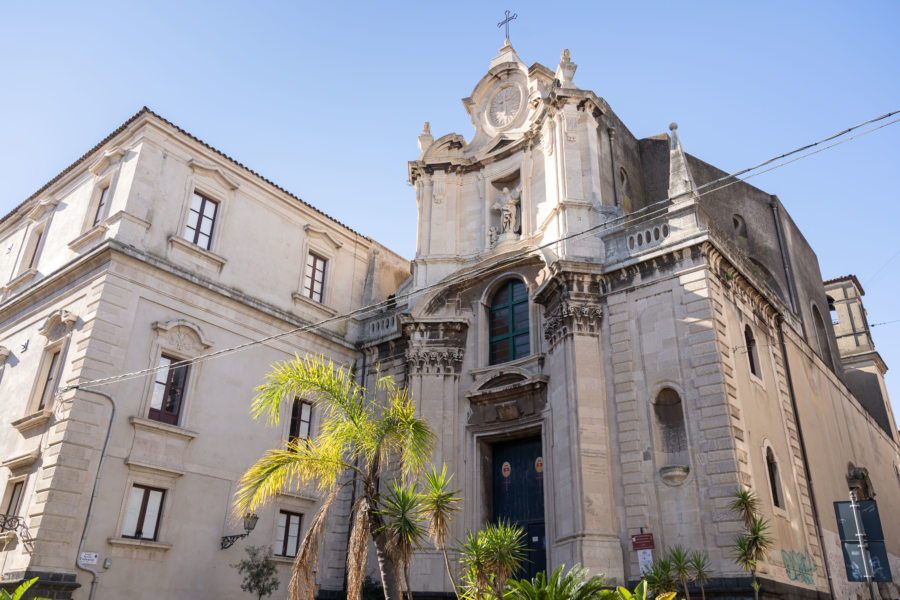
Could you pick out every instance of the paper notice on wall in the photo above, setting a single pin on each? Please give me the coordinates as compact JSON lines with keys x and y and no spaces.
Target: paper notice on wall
{"x":645,"y":560}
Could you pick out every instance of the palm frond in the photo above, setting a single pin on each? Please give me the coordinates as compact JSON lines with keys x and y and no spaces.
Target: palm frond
{"x":280,"y":469}
{"x":303,"y":585}
{"x":313,"y":378}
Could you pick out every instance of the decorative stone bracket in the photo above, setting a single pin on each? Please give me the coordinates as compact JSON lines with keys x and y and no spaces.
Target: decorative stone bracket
{"x":435,"y":347}
{"x":572,"y":318}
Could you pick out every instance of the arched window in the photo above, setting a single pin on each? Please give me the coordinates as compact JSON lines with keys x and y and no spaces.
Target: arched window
{"x":750,"y":343}
{"x":509,"y":322}
{"x":822,"y":337}
{"x":740,"y":227}
{"x":832,"y":309}
{"x":774,"y":480}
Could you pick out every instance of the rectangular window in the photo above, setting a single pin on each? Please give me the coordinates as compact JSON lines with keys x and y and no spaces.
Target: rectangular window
{"x":101,"y":205}
{"x":15,"y":499}
{"x":50,"y":381}
{"x":314,"y":280}
{"x":36,"y":249}
{"x":168,"y":390}
{"x":287,"y":540}
{"x":301,"y":416}
{"x":143,"y":512}
{"x":201,"y":220}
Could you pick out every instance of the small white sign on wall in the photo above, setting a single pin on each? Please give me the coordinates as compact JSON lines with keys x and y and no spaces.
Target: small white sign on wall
{"x":645,"y":560}
{"x":88,"y":558}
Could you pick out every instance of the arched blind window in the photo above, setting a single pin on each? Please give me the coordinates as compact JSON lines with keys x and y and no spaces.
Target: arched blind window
{"x":822,"y":337}
{"x":509,"y":322}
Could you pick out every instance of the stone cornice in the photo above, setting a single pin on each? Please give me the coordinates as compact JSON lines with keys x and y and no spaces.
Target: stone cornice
{"x":435,"y":347}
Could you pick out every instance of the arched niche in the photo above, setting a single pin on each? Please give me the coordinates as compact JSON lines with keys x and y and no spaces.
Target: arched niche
{"x":670,"y":436}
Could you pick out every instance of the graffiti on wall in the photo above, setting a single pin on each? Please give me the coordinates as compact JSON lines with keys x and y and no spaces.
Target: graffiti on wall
{"x":800,"y":566}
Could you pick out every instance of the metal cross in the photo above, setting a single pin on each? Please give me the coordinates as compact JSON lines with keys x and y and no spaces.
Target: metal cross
{"x":506,"y":22}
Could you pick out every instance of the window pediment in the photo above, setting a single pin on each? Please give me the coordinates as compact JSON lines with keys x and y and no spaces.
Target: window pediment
{"x":182,"y":335}
{"x":311,"y":230}
{"x":58,"y":324}
{"x":214,"y":171}
{"x":110,"y":157}
{"x":42,"y":208}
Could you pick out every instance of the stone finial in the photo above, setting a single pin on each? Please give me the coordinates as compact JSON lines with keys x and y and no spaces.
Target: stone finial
{"x":566,"y":70}
{"x":425,"y":138}
{"x":681,"y":182}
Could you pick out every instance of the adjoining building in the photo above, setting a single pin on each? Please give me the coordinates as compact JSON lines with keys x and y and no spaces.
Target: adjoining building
{"x":609,"y":336}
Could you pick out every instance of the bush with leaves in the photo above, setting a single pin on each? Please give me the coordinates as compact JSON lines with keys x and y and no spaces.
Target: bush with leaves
{"x":574,"y":585}
{"x":258,"y":570}
{"x":659,"y":577}
{"x":639,"y":593}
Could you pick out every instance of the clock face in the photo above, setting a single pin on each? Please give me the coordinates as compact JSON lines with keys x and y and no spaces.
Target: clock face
{"x":504,"y":106}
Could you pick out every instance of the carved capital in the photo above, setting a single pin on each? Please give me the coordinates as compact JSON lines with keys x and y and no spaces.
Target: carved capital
{"x":434,"y":361}
{"x":572,"y":318}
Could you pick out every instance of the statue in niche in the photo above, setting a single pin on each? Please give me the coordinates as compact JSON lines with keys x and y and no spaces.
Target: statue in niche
{"x":509,"y":211}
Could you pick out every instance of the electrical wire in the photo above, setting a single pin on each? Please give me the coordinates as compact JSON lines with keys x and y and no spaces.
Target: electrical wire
{"x":638,"y":216}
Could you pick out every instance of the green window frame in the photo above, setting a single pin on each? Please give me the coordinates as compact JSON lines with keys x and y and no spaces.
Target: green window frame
{"x":509,"y":323}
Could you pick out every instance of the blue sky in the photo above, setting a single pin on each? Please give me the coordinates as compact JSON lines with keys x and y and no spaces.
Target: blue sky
{"x":326,"y":99}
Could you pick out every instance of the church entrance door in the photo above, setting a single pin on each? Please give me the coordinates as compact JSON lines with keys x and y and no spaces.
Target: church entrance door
{"x":518,"y":496}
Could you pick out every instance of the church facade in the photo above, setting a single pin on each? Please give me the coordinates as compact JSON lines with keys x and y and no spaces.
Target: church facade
{"x":608,"y":335}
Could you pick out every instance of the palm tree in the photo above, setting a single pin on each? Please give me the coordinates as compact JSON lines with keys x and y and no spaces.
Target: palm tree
{"x":752,"y":547}
{"x":754,"y":544}
{"x":680,"y":558}
{"x":699,"y":564}
{"x":402,"y":513}
{"x":438,"y":504}
{"x":359,"y":440}
{"x":490,"y":557}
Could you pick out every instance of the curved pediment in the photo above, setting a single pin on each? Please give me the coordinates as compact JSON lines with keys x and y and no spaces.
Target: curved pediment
{"x":445,"y":148}
{"x":182,"y":335}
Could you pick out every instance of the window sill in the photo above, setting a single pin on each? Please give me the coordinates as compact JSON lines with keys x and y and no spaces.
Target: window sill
{"x":91,"y":235}
{"x":531,"y":361}
{"x":285,"y":560}
{"x":33,"y":421}
{"x":211,"y":259}
{"x":297,"y":297}
{"x":21,"y":461}
{"x":24,"y":277}
{"x":151,"y":425}
{"x":148,"y":544}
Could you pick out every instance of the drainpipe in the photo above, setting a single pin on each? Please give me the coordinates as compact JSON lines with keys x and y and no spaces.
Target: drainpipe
{"x":809,"y":483}
{"x":87,"y":521}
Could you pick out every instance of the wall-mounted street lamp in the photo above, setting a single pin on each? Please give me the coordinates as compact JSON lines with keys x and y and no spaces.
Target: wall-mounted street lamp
{"x":250,"y":520}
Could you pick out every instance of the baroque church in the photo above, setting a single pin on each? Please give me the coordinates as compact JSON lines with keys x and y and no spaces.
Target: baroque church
{"x":608,"y":335}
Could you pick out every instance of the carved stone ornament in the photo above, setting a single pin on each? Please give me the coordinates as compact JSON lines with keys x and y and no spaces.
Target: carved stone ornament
{"x":182,"y":335}
{"x":570,"y":318}
{"x":434,"y":361}
{"x":504,"y":106}
{"x":57,"y":325}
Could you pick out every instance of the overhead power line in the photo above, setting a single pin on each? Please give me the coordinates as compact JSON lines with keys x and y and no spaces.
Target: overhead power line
{"x":641,"y":215}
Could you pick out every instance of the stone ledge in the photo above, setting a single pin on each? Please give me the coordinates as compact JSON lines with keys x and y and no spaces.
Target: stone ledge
{"x":307,"y":301}
{"x":32,"y":421}
{"x":211,"y":258}
{"x":147,"y":544}
{"x":93,"y":234}
{"x":160,"y":469}
{"x":21,"y":461}
{"x":151,"y":425}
